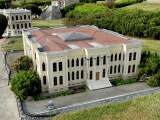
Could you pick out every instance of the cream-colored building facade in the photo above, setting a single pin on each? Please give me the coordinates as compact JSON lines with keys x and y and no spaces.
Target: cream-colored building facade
{"x":63,"y":3}
{"x":18,"y":20}
{"x":85,"y":55}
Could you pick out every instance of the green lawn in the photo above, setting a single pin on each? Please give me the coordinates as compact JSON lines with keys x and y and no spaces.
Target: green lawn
{"x":146,"y":6}
{"x":17,"y":44}
{"x":47,"y":23}
{"x":140,"y":108}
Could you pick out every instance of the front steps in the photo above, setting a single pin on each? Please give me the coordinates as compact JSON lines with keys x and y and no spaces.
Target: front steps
{"x":98,"y":84}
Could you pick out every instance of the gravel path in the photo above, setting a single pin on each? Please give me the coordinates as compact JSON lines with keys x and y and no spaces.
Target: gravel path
{"x":8,"y":105}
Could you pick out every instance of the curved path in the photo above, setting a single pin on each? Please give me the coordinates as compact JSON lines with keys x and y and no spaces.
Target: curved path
{"x":8,"y":105}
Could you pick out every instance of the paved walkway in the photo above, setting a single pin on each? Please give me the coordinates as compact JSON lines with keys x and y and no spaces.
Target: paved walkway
{"x":39,"y":106}
{"x":8,"y":105}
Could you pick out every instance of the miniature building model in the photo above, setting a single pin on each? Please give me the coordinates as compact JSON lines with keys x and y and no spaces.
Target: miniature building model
{"x":63,"y":3}
{"x":65,"y":57}
{"x":18,"y":19}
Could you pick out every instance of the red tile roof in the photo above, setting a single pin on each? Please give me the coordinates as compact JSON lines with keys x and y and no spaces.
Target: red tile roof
{"x":51,"y":43}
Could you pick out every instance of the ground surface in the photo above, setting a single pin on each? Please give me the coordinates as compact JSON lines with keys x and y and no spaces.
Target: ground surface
{"x":39,"y":106}
{"x":141,"y":108}
{"x":146,"y":6}
{"x":8,"y":105}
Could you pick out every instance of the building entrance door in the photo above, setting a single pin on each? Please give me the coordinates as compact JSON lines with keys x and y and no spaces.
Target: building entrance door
{"x":97,"y":75}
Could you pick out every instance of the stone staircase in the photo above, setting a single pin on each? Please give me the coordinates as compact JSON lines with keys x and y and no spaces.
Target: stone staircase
{"x":98,"y":84}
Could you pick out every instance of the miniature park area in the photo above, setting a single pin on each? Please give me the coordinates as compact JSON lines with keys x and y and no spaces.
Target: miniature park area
{"x":83,"y":58}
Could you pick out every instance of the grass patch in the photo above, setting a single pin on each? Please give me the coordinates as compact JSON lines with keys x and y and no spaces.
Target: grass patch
{"x":17,"y":44}
{"x":146,"y":6}
{"x":47,"y":23}
{"x":140,"y":108}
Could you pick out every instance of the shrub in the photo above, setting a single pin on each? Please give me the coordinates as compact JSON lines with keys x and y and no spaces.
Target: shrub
{"x":26,"y":83}
{"x":154,"y":80}
{"x":34,"y":9}
{"x":3,"y":24}
{"x":70,"y":7}
{"x":22,"y":63}
{"x":134,"y":22}
{"x":119,"y":81}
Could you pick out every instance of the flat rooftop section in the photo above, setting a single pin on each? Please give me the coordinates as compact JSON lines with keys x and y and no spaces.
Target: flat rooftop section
{"x":18,"y":10}
{"x":51,"y":41}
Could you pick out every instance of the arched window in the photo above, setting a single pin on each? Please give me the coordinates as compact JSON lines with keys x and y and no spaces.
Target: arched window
{"x":25,"y":25}
{"x":43,"y":66}
{"x":61,"y":80}
{"x":60,"y":66}
{"x":111,"y":70}
{"x":55,"y":81}
{"x":133,"y":68}
{"x":81,"y":61}
{"x":90,"y":75}
{"x":119,"y":68}
{"x":72,"y":62}
{"x":17,"y":26}
{"x":21,"y":25}
{"x":12,"y":18}
{"x":97,"y":60}
{"x":112,"y":57}
{"x":72,"y":75}
{"x":82,"y":74}
{"x":91,"y":62}
{"x":115,"y":67}
{"x":68,"y":63}
{"x":29,"y":24}
{"x":28,"y":16}
{"x":134,"y":56}
{"x":54,"y":67}
{"x":16,"y":17}
{"x":103,"y":72}
{"x":119,"y":56}
{"x":77,"y":62}
{"x":68,"y":76}
{"x":130,"y":56}
{"x":13,"y":26}
{"x":21,"y":17}
{"x":129,"y":68}
{"x":24,"y":16}
{"x":44,"y":80}
{"x":115,"y":57}
{"x":104,"y":60}
{"x":77,"y":75}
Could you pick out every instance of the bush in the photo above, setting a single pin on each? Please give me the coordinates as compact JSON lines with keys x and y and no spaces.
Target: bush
{"x":154,"y":80}
{"x":26,"y":83}
{"x":34,"y":9}
{"x":70,"y":7}
{"x":124,"y":3}
{"x":134,"y":22}
{"x":22,"y":63}
{"x":3,"y":24}
{"x":124,"y":82}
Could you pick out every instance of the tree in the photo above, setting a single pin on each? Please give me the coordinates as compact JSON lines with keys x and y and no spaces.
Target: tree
{"x":26,"y":83}
{"x":34,"y":9}
{"x":3,"y":24}
{"x":22,"y":63}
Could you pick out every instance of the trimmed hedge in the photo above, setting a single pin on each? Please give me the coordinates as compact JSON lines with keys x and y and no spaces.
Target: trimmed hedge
{"x":124,"y":3}
{"x":134,"y":22}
